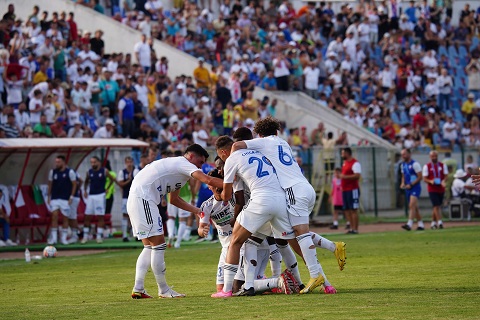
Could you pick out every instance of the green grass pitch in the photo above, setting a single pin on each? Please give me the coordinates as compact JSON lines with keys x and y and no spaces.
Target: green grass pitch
{"x":396,"y":275}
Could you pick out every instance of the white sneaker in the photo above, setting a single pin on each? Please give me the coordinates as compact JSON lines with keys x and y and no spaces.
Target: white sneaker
{"x":73,"y":240}
{"x":2,"y":243}
{"x":10,"y":243}
{"x":177,"y":245}
{"x":99,"y":240}
{"x":171,"y":294}
{"x":65,"y":242}
{"x":84,"y":240}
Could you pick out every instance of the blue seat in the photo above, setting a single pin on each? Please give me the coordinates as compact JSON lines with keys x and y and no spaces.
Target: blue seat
{"x":436,"y":139}
{"x":462,"y":51}
{"x":460,"y":71}
{"x":395,"y":118}
{"x":458,"y":115}
{"x":474,"y":44}
{"x":404,"y":119}
{"x":442,"y":51}
{"x":452,"y":52}
{"x":449,"y":113}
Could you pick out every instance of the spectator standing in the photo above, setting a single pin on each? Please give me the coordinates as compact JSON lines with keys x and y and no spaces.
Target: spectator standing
{"x":351,"y":174}
{"x":5,"y":211}
{"x":143,"y":53}
{"x":434,"y":175}
{"x":411,"y":178}
{"x":202,"y":75}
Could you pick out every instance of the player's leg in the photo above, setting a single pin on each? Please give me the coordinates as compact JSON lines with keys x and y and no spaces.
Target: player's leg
{"x":354,"y":212}
{"x":439,"y":210}
{"x":124,"y":221}
{"x":347,"y":195}
{"x":337,"y":248}
{"x":239,"y":236}
{"x":182,"y":226}
{"x":188,"y":230}
{"x":89,"y":212}
{"x":172,"y":215}
{"x":53,"y":239}
{"x":418,"y":217}
{"x":100,"y":209}
{"x":334,"y":225}
{"x":66,"y":213}
{"x":221,"y":263}
{"x":285,"y":283}
{"x":409,"y":224}
{"x":72,"y":219}
{"x":275,"y":258}
{"x":250,"y":265}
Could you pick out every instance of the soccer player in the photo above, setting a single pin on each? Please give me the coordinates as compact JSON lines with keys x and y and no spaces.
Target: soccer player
{"x":187,"y":194}
{"x":411,"y":178}
{"x":267,"y":203}
{"x":62,"y":186}
{"x":351,"y":173}
{"x":434,"y":174}
{"x":94,"y":193}
{"x":148,"y":189}
{"x":72,"y":221}
{"x":125,"y":178}
{"x":300,"y":196}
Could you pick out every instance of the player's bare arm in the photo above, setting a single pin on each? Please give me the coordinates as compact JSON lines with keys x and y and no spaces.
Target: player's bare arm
{"x":227,"y":191}
{"x":211,"y":181}
{"x":238,"y":146}
{"x":239,"y":204}
{"x":182,"y":204}
{"x":203,"y":229}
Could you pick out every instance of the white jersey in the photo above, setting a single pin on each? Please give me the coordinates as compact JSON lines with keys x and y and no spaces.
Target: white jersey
{"x":161,"y":177}
{"x":255,"y":170}
{"x":220,"y":213}
{"x":239,"y":185}
{"x":280,"y":154}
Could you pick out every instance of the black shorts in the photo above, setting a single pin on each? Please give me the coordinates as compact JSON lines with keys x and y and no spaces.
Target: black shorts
{"x":351,"y":199}
{"x":436,"y":198}
{"x":338,"y":208}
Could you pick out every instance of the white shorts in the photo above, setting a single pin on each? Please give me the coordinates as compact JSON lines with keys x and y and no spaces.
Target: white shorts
{"x":174,"y":212}
{"x":300,"y":203}
{"x":74,"y":208}
{"x":95,"y":204}
{"x":144,"y":217}
{"x":258,"y":211}
{"x":124,"y":206}
{"x":62,"y":205}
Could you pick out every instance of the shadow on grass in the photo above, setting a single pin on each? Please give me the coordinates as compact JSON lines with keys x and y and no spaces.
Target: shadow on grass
{"x":410,"y":290}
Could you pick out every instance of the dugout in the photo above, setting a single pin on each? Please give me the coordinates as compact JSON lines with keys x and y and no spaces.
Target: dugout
{"x":24,"y":167}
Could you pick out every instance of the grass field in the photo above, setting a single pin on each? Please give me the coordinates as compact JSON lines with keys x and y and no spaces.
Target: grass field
{"x":396,"y":275}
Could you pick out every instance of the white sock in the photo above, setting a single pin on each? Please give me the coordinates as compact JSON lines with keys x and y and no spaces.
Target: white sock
{"x":251,"y":261}
{"x":265,"y":284}
{"x":188,"y":232}
{"x":229,"y":271}
{"x":410,"y":223}
{"x":75,"y":233}
{"x":143,"y":263}
{"x":327,"y":283}
{"x":290,"y":261}
{"x":309,"y":254}
{"x":124,"y":227}
{"x":433,"y":224}
{"x":99,"y":233}
{"x":64,"y":235}
{"x":86,"y":231}
{"x":158,"y":267}
{"x":335,"y":222}
{"x":275,"y":261}
{"x":420,"y":224}
{"x":171,"y":228}
{"x":440,"y":222}
{"x":321,"y":242}
{"x":54,"y":235}
{"x":181,"y":230}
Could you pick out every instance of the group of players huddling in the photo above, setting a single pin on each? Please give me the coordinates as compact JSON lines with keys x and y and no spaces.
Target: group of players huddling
{"x":260,"y":206}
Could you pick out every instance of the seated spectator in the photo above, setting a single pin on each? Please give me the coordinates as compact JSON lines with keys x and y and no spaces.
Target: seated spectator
{"x":42,"y":129}
{"x":107,"y":131}
{"x":10,"y":128}
{"x":57,"y":128}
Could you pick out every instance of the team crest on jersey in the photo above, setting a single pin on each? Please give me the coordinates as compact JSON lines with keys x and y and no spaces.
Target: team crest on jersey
{"x":55,"y":176}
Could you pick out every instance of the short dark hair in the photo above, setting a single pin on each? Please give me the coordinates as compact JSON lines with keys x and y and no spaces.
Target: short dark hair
{"x":223,"y":142}
{"x":96,"y":158}
{"x":242,"y":134}
{"x":348,"y":150}
{"x":198,"y":150}
{"x":214,"y":173}
{"x":330,"y":135}
{"x":62,"y":157}
{"x":267,"y":127}
{"x":217,"y":158}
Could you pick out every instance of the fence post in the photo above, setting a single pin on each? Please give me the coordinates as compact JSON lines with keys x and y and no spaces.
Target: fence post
{"x":375,"y":203}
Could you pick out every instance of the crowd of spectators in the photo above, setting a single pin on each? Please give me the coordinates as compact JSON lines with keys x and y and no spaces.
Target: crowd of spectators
{"x":411,"y":77}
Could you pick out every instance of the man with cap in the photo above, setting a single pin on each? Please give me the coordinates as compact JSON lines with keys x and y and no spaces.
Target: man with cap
{"x":434,"y":175}
{"x":201,"y":75}
{"x":57,"y":128}
{"x":204,"y":108}
{"x":258,"y":65}
{"x":459,"y":185}
{"x":468,"y":106}
{"x":106,"y":131}
{"x":178,"y":98}
{"x":76,"y":131}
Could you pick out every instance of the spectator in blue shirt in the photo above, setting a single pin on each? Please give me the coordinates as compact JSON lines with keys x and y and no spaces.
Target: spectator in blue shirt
{"x":368,"y":91}
{"x":269,"y":82}
{"x":411,"y":12}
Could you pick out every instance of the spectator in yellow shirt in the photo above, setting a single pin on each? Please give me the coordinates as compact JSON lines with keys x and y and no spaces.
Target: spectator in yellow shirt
{"x":41,"y":75}
{"x":468,"y":106}
{"x":251,"y":107}
{"x":202,"y":75}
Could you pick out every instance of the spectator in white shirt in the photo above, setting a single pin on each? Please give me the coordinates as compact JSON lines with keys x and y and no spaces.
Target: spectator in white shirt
{"x":429,"y":60}
{"x":450,"y":132}
{"x":431,"y":89}
{"x":386,"y":78}
{"x":88,"y":58}
{"x":350,"y":44}
{"x":22,"y":118}
{"x":145,"y":27}
{"x":200,"y":136}
{"x":143,"y":53}
{"x":445,"y":84}
{"x":364,"y":34}
{"x":36,"y":107}
{"x":76,"y":131}
{"x":311,"y":74}
{"x":105,"y":131}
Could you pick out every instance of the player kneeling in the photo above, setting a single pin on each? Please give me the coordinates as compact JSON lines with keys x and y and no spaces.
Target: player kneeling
{"x":221,"y":214}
